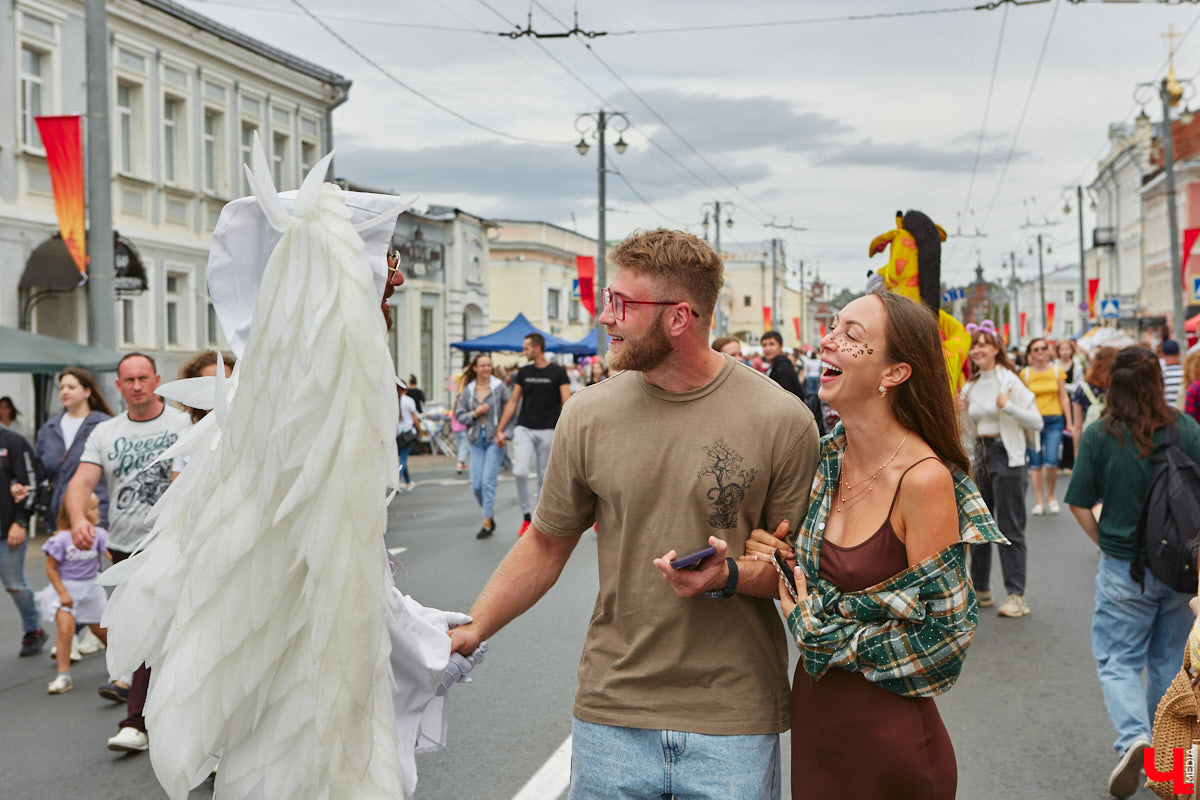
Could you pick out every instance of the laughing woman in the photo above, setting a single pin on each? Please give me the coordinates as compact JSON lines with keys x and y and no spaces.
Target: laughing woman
{"x":886,"y":610}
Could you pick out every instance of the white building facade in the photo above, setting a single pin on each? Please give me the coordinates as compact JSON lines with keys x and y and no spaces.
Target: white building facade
{"x":186,"y":97}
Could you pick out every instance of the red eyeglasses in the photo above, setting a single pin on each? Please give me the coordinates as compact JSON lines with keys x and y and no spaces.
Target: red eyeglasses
{"x":618,"y":303}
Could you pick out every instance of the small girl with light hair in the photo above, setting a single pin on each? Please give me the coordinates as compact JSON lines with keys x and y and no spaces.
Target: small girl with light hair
{"x":73,"y":597}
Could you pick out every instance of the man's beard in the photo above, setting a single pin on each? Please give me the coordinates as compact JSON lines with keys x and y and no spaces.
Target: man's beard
{"x":645,"y":353}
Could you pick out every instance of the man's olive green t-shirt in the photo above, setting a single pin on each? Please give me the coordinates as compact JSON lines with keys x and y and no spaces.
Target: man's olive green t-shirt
{"x":656,"y":471}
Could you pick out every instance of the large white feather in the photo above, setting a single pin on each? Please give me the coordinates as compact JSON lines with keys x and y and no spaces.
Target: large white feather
{"x":259,"y":602}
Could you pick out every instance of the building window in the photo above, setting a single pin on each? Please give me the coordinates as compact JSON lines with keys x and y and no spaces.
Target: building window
{"x":308,"y":157}
{"x":427,"y":343}
{"x":172,"y":310}
{"x":573,"y":312}
{"x":33,"y":68}
{"x":1070,"y":297}
{"x":126,"y":321}
{"x":476,"y":272}
{"x":213,"y":325}
{"x":279,"y":144}
{"x":126,"y":110}
{"x":746,"y":300}
{"x":212,"y":133}
{"x":552,"y":303}
{"x":171,"y":115}
{"x":248,"y":132}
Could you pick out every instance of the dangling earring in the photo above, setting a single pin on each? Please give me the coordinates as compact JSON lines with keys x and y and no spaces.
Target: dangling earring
{"x":882,"y":392}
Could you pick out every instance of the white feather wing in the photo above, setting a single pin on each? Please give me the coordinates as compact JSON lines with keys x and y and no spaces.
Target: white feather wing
{"x":259,"y":604}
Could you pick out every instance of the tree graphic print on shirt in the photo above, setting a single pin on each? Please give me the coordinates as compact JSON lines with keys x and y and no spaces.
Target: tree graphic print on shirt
{"x":732,"y":479}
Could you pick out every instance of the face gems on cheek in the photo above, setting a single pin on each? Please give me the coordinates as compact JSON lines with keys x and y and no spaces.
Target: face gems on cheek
{"x":854,"y":350}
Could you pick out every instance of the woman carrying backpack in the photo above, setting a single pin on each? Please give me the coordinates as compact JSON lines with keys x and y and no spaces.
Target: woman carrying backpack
{"x":1135,"y":628}
{"x":1090,"y":392}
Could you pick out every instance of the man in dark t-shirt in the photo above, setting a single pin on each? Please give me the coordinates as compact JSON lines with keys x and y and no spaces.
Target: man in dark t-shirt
{"x":781,"y":370}
{"x":541,"y":388}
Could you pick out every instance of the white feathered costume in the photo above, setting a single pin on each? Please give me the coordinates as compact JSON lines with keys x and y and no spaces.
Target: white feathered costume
{"x":262,"y":601}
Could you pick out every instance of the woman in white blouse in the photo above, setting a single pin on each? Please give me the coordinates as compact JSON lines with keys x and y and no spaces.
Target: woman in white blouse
{"x":998,"y":410}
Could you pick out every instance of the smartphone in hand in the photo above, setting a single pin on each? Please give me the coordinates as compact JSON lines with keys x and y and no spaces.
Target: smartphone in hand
{"x":785,"y":572}
{"x":693,"y":560}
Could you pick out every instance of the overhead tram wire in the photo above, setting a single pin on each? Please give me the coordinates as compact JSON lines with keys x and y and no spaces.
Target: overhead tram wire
{"x":987,"y":107}
{"x":809,"y":21}
{"x":603,"y":101}
{"x":645,"y":202}
{"x":419,"y":93}
{"x":663,"y":120}
{"x":1024,"y":110}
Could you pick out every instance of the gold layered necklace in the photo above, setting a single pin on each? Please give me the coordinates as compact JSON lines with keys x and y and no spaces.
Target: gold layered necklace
{"x":851,"y":493}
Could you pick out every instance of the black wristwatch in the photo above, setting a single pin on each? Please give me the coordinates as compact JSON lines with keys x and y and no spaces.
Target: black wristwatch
{"x":730,"y":585}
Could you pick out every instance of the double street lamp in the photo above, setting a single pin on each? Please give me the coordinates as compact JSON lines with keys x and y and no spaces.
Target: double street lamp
{"x":1171,"y":91}
{"x":594,"y":125}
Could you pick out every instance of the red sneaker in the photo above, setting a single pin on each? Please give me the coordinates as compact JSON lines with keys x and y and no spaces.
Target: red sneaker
{"x":524,"y":527}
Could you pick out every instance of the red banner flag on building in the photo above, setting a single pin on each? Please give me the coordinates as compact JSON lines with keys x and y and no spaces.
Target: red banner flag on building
{"x":64,"y":159}
{"x":1007,"y":333}
{"x":1024,"y":316}
{"x":1049,"y":318}
{"x":1093,"y":288}
{"x":822,"y":329}
{"x":586,"y":267}
{"x":766,"y":318}
{"x":796,"y":325}
{"x":1189,"y":241}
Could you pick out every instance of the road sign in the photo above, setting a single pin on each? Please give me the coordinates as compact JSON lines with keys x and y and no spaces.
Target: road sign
{"x":1110,"y":309}
{"x":575,"y":289}
{"x":950,"y":295}
{"x":1196,"y":290}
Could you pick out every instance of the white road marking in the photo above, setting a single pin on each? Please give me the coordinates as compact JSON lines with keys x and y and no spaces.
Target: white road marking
{"x":552,"y":779}
{"x":397,"y":550}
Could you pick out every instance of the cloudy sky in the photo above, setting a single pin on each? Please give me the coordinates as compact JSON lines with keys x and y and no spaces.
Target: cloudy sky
{"x":819,"y":115}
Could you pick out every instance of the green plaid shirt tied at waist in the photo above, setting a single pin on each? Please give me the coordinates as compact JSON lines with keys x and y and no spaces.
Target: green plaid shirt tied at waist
{"x":908,"y":634}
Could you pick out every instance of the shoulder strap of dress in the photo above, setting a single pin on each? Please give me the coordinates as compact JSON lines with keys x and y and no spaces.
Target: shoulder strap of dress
{"x":896,"y":495}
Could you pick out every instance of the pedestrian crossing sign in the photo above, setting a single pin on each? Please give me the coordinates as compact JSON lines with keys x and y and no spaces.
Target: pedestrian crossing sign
{"x":1110,"y":309}
{"x":1196,"y":290}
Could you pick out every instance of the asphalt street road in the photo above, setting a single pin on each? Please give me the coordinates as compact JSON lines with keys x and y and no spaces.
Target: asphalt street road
{"x":1026,"y":717}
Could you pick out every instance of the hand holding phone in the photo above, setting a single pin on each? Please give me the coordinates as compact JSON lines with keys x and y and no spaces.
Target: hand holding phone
{"x":785,"y":572}
{"x":693,"y":559}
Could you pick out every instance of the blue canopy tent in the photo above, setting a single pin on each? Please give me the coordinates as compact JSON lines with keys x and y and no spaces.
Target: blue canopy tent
{"x":511,"y":337}
{"x":584,"y":347}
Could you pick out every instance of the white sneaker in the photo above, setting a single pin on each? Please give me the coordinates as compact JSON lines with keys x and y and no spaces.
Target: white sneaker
{"x":1126,"y":776}
{"x":88,"y":642}
{"x":129,"y":740}
{"x":1038,"y":510}
{"x":1013,"y":606}
{"x":985,"y":599}
{"x":1053,"y":506}
{"x":76,"y":653}
{"x":60,"y":684}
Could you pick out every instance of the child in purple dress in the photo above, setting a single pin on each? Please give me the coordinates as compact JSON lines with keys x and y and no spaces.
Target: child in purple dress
{"x":73,"y":597}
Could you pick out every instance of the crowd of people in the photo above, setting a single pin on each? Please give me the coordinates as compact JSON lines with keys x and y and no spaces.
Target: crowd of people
{"x":777,"y":512}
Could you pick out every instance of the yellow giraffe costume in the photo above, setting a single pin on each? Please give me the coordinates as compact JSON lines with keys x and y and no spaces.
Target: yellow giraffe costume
{"x":914,"y":271}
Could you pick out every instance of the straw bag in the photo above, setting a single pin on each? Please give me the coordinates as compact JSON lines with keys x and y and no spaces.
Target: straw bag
{"x":1175,"y":726}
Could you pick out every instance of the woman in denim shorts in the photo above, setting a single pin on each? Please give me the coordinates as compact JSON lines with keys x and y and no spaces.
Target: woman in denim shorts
{"x":1048,"y":384}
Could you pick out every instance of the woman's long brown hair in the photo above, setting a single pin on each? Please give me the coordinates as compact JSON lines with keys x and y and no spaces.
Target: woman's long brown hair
{"x":88,"y":381}
{"x":923,"y":403}
{"x":1135,"y":398}
{"x":1001,"y":356}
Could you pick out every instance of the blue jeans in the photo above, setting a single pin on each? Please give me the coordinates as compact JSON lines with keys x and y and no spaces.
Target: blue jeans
{"x":1052,"y":436}
{"x":12,"y":574}
{"x":404,"y":463}
{"x":610,"y":762}
{"x":1135,"y":630}
{"x":460,"y":445}
{"x":485,"y":471}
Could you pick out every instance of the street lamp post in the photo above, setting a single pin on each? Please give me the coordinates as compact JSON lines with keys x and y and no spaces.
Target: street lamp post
{"x":713,"y":209}
{"x":1042,"y":277}
{"x":1171,"y":91}
{"x":595,"y":124}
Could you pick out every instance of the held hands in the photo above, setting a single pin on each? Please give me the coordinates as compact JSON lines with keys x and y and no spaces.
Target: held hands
{"x":762,"y":544}
{"x":19,"y":491}
{"x":16,"y":535}
{"x":711,"y":574}
{"x":500,"y":439}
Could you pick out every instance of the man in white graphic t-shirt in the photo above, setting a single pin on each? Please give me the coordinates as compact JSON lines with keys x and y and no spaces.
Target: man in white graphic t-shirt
{"x":123,"y":449}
